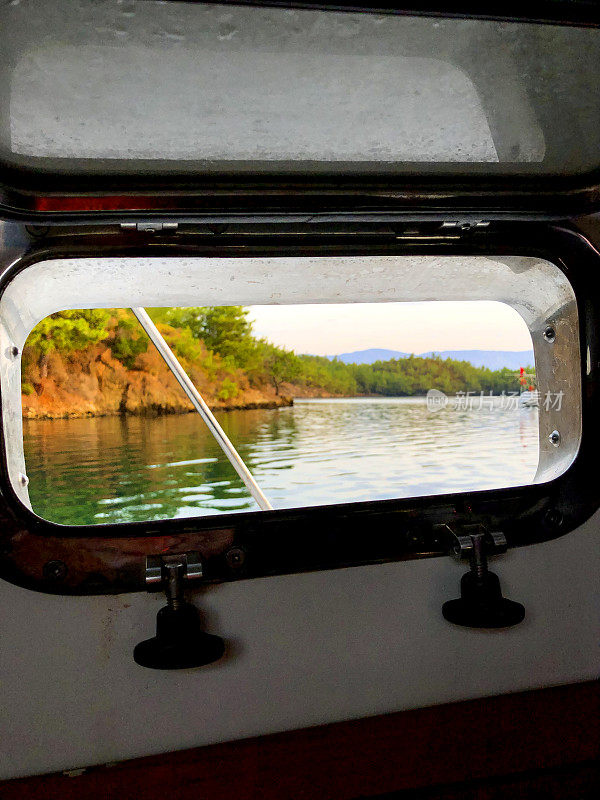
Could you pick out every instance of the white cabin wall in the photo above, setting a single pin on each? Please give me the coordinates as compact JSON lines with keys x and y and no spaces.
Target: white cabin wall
{"x":306,"y":650}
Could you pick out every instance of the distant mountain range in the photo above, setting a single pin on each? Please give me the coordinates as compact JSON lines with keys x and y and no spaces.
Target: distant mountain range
{"x":492,"y":359}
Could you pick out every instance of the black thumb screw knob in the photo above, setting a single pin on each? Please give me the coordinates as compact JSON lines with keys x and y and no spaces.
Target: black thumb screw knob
{"x":481,"y":604}
{"x":180,"y":641}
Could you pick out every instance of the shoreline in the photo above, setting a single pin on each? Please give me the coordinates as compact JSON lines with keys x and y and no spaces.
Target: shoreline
{"x":151,"y":412}
{"x":101,"y":381}
{"x":154,"y":411}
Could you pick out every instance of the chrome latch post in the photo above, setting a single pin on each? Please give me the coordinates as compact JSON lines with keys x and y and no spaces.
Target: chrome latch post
{"x":180,"y":642}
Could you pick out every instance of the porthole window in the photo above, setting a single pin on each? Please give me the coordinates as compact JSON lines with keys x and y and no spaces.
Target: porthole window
{"x":365,"y":426}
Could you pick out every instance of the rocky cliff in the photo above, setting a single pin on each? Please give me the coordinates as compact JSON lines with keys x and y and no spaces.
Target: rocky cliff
{"x":92,"y":382}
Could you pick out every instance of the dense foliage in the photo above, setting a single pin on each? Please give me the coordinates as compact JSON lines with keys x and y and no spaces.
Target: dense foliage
{"x":211,"y":338}
{"x":69,"y":330}
{"x":128,"y":340}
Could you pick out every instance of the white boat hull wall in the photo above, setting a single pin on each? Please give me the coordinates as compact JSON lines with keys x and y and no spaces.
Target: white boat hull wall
{"x":307,"y":649}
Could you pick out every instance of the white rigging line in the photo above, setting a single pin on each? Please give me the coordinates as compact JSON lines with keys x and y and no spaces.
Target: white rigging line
{"x":196,"y":398}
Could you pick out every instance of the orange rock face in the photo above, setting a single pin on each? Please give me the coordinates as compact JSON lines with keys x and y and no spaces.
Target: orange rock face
{"x":92,"y":382}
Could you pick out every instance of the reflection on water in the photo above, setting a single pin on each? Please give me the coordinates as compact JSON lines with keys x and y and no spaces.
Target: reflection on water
{"x":122,"y":469}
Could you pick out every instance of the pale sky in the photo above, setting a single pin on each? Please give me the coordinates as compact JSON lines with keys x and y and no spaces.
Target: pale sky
{"x":409,"y":327}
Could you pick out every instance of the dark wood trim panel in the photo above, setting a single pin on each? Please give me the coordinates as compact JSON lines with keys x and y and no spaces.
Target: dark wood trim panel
{"x":518,"y":740}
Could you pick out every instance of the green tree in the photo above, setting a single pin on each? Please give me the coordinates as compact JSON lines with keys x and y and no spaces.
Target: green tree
{"x":192,"y":318}
{"x":129,"y":340}
{"x":228,"y":390}
{"x":282,"y":366}
{"x":66,"y":331}
{"x":225,"y":330}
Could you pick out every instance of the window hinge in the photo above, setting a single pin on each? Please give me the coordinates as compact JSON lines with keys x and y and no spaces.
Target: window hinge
{"x":481,"y":604}
{"x":467,"y":224}
{"x":150,"y":227}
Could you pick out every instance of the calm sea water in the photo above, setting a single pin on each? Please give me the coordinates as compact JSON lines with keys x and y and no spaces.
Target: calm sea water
{"x":121,"y":469}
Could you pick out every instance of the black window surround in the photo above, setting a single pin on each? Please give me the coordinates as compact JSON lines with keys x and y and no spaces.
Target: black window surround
{"x":75,"y":560}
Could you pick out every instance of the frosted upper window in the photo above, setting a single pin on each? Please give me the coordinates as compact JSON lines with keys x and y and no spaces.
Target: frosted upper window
{"x":110,"y":86}
{"x":235,"y":104}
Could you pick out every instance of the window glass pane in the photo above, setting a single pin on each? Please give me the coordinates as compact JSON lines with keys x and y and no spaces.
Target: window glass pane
{"x":373,"y":423}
